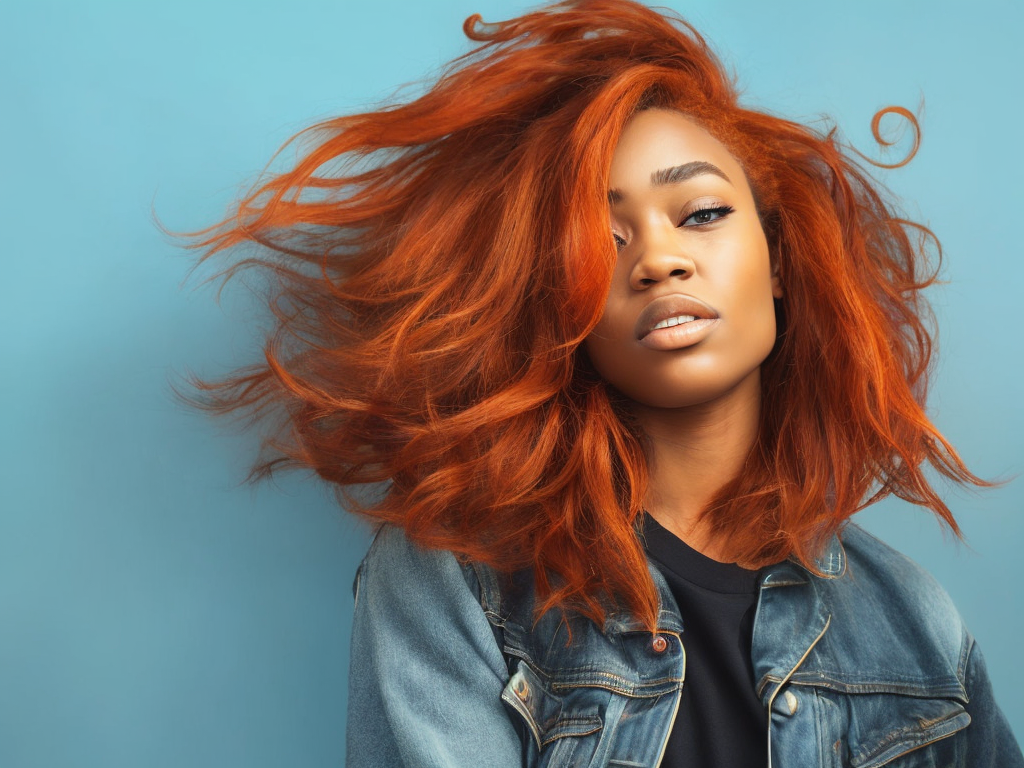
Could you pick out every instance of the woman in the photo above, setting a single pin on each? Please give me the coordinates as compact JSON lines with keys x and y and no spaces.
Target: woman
{"x":618,"y":359}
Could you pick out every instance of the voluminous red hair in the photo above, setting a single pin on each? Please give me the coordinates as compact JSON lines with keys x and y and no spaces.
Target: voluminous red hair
{"x":435,"y":265}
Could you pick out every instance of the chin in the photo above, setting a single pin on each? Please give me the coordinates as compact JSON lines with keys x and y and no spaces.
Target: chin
{"x":696,"y":392}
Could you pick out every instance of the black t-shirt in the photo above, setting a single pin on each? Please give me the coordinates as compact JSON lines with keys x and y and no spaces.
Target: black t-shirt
{"x":720,"y":721}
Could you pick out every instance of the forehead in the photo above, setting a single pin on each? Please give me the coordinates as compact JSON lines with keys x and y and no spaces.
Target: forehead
{"x":655,"y":139}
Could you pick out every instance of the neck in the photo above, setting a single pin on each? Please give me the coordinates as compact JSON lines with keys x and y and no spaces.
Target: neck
{"x":694,"y":452}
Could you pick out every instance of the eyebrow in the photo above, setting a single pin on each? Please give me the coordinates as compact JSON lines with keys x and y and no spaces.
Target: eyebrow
{"x":677,"y":174}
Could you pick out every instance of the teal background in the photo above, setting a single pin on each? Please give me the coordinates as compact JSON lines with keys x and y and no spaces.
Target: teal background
{"x":156,"y":612}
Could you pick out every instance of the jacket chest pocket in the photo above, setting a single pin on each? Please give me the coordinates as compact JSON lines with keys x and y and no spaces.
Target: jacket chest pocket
{"x":584,"y":725}
{"x":874,"y":730}
{"x":562,"y":729}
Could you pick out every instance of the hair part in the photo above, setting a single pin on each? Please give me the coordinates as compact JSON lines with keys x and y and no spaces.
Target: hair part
{"x":434,"y":267}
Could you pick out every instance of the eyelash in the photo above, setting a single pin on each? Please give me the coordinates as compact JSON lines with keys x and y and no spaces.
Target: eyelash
{"x":721,"y":210}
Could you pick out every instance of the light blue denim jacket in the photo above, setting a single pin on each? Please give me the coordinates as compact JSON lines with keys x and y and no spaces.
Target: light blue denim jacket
{"x":868,"y":665}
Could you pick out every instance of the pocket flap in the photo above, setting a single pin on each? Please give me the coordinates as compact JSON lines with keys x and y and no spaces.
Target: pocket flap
{"x":883,"y":727}
{"x":528,"y":694}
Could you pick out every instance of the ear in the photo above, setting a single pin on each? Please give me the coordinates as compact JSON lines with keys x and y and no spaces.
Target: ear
{"x":776,"y":280}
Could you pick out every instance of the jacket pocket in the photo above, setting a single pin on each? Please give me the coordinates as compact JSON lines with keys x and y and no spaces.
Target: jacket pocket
{"x":882,"y":728}
{"x":546,"y":718}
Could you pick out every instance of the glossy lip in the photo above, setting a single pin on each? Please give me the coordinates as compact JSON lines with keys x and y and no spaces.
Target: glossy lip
{"x":677,"y":336}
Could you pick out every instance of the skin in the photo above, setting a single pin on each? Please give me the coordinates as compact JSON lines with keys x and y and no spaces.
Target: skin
{"x":689,"y":235}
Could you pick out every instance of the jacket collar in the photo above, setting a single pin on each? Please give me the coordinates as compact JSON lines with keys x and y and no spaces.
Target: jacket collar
{"x":830,"y":564}
{"x":832,"y":561}
{"x":669,"y":619}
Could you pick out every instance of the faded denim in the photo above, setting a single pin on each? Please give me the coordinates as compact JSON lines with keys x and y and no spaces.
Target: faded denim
{"x":868,"y":665}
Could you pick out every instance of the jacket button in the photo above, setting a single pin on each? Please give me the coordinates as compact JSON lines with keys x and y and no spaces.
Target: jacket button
{"x":522,"y":689}
{"x":660,"y":644}
{"x":791,"y":701}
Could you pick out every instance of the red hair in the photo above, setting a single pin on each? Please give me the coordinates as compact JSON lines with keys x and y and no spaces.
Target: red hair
{"x":434,"y":267}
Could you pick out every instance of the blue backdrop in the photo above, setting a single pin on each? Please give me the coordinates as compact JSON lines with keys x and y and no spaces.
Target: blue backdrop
{"x":153,"y":610}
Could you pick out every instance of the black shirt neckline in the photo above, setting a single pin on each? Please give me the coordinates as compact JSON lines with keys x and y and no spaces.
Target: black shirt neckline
{"x":692,"y":566}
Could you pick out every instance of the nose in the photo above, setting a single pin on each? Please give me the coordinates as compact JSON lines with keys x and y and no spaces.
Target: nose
{"x":661,"y":255}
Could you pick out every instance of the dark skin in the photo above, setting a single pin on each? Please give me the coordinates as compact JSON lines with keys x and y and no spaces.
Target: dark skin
{"x":690,"y":313}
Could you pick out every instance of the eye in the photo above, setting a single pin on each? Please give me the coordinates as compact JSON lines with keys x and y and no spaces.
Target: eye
{"x":707,"y":215}
{"x":620,"y":241}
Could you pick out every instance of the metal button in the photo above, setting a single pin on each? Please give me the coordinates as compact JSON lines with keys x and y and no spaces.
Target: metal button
{"x":522,"y":689}
{"x":791,"y":701}
{"x":660,"y":644}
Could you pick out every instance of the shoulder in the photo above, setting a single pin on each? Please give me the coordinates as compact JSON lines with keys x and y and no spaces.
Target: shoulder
{"x":875,"y":569}
{"x":867,"y":550}
{"x":392,"y":548}
{"x":399,"y":573}
{"x":890,"y":615}
{"x":418,"y":617}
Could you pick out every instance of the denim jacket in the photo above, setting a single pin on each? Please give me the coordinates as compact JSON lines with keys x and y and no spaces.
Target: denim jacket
{"x":866,"y":665}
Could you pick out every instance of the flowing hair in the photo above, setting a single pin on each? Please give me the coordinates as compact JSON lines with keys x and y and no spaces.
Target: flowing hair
{"x":434,"y":266}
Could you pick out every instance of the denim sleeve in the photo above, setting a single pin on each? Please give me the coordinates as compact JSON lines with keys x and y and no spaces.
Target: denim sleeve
{"x":989,"y":741}
{"x":426,"y":674}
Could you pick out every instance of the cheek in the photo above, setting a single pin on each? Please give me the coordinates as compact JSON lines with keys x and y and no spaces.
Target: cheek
{"x":614,"y":331}
{"x":754,"y":299}
{"x":604,"y":353}
{"x":745,"y":276}
{"x":752,"y":312}
{"x":611,"y":348}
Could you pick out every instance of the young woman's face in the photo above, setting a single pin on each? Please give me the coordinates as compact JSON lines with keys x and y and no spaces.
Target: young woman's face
{"x":690,"y":315}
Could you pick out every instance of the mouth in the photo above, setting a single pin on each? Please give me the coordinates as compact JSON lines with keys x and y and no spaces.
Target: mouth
{"x":673,"y":311}
{"x":672,"y":322}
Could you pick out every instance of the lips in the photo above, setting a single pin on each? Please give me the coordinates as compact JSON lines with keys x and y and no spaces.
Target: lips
{"x":674,"y":314}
